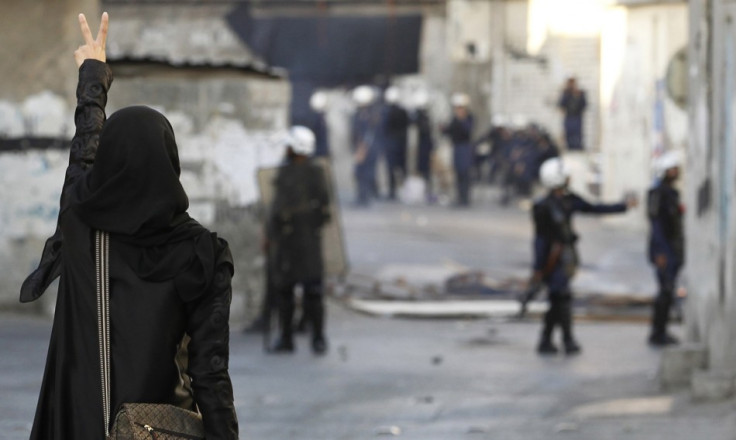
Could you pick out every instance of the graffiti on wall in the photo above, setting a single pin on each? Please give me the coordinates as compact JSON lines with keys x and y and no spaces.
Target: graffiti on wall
{"x":219,"y":163}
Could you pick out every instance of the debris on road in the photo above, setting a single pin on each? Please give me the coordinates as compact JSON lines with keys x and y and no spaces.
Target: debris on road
{"x":388,"y":431}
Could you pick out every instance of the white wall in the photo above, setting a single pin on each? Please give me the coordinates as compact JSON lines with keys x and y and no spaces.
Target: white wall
{"x":543,"y":43}
{"x":711,"y":230}
{"x":219,"y":163}
{"x":636,"y":46}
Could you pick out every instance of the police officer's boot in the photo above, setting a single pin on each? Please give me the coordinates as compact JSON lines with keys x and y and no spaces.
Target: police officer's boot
{"x":314,"y":308}
{"x":660,"y":315}
{"x":546,"y":346}
{"x":285,"y":343}
{"x":571,"y":345}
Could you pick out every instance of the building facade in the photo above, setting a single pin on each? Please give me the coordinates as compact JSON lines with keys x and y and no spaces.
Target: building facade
{"x":711,"y":166}
{"x":227,"y":107}
{"x":642,"y":107}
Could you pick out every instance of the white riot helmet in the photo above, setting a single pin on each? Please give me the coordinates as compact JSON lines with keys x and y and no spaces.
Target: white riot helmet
{"x":363,"y":95}
{"x":392,"y":95}
{"x":669,"y":160}
{"x":301,"y":140}
{"x":554,"y":173}
{"x":318,"y":101}
{"x":460,"y":100}
{"x":499,"y":120}
{"x":519,"y":121}
{"x":421,"y":98}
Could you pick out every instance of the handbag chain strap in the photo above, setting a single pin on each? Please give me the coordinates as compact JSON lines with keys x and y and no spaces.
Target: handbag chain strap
{"x":102,"y":269}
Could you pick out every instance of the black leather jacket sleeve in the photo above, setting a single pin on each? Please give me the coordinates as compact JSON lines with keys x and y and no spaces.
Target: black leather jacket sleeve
{"x":95,"y":78}
{"x":209,"y":330}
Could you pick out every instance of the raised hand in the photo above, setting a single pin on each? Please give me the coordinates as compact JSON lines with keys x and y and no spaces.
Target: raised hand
{"x":92,"y":48}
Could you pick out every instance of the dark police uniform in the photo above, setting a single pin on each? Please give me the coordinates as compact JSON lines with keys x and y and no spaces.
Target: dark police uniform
{"x":395,"y":132}
{"x":299,"y":211}
{"x":666,"y":239}
{"x":425,"y":145}
{"x":573,"y":105}
{"x":460,"y":132}
{"x":321,"y":136}
{"x":556,"y":258}
{"x":365,"y":150}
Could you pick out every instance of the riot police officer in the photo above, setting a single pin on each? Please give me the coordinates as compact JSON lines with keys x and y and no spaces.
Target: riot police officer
{"x":318,"y":103}
{"x":395,"y":135}
{"x":365,"y":143}
{"x":299,"y":211}
{"x":460,"y":131}
{"x":555,"y":253}
{"x":666,"y":244}
{"x":425,"y":142}
{"x":573,"y":102}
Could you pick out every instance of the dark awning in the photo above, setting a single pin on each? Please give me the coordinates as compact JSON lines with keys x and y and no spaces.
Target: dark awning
{"x":333,"y":50}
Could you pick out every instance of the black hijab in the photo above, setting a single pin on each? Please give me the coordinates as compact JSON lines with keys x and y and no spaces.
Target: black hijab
{"x":133,"y":192}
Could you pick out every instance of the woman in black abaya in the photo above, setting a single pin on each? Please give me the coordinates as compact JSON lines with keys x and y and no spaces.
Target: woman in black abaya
{"x":169,"y":276}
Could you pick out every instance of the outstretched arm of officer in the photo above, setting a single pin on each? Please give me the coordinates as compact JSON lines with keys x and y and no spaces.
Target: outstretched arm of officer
{"x":582,"y":205}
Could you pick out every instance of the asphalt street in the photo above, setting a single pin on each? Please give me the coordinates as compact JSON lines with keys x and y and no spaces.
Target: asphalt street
{"x":427,"y":244}
{"x":423,"y":379}
{"x":437,"y":378}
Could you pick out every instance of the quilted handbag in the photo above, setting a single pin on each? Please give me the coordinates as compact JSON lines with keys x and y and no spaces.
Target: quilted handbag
{"x":134,"y":421}
{"x":152,"y":421}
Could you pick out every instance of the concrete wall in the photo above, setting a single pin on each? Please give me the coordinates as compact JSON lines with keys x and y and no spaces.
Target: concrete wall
{"x":176,"y":33}
{"x":531,"y":85}
{"x":518,"y":71}
{"x":470,"y":40}
{"x":638,"y":119}
{"x":228,"y":122}
{"x":38,"y":43}
{"x":540,"y":47}
{"x":219,"y":164}
{"x":257,"y":101}
{"x":712,"y":181}
{"x":36,"y":97}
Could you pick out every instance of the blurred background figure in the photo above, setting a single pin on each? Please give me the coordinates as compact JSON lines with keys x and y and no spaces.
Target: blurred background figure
{"x":496,"y":140}
{"x":318,"y":103}
{"x":487,"y":149}
{"x":522,"y":166}
{"x":555,"y":250}
{"x":425,"y":140}
{"x":300,"y":209}
{"x":518,"y":152}
{"x":573,"y":103}
{"x":395,"y":125}
{"x":546,"y":147}
{"x":540,"y":148}
{"x":460,"y":130}
{"x":365,"y":146}
{"x":666,"y":243}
